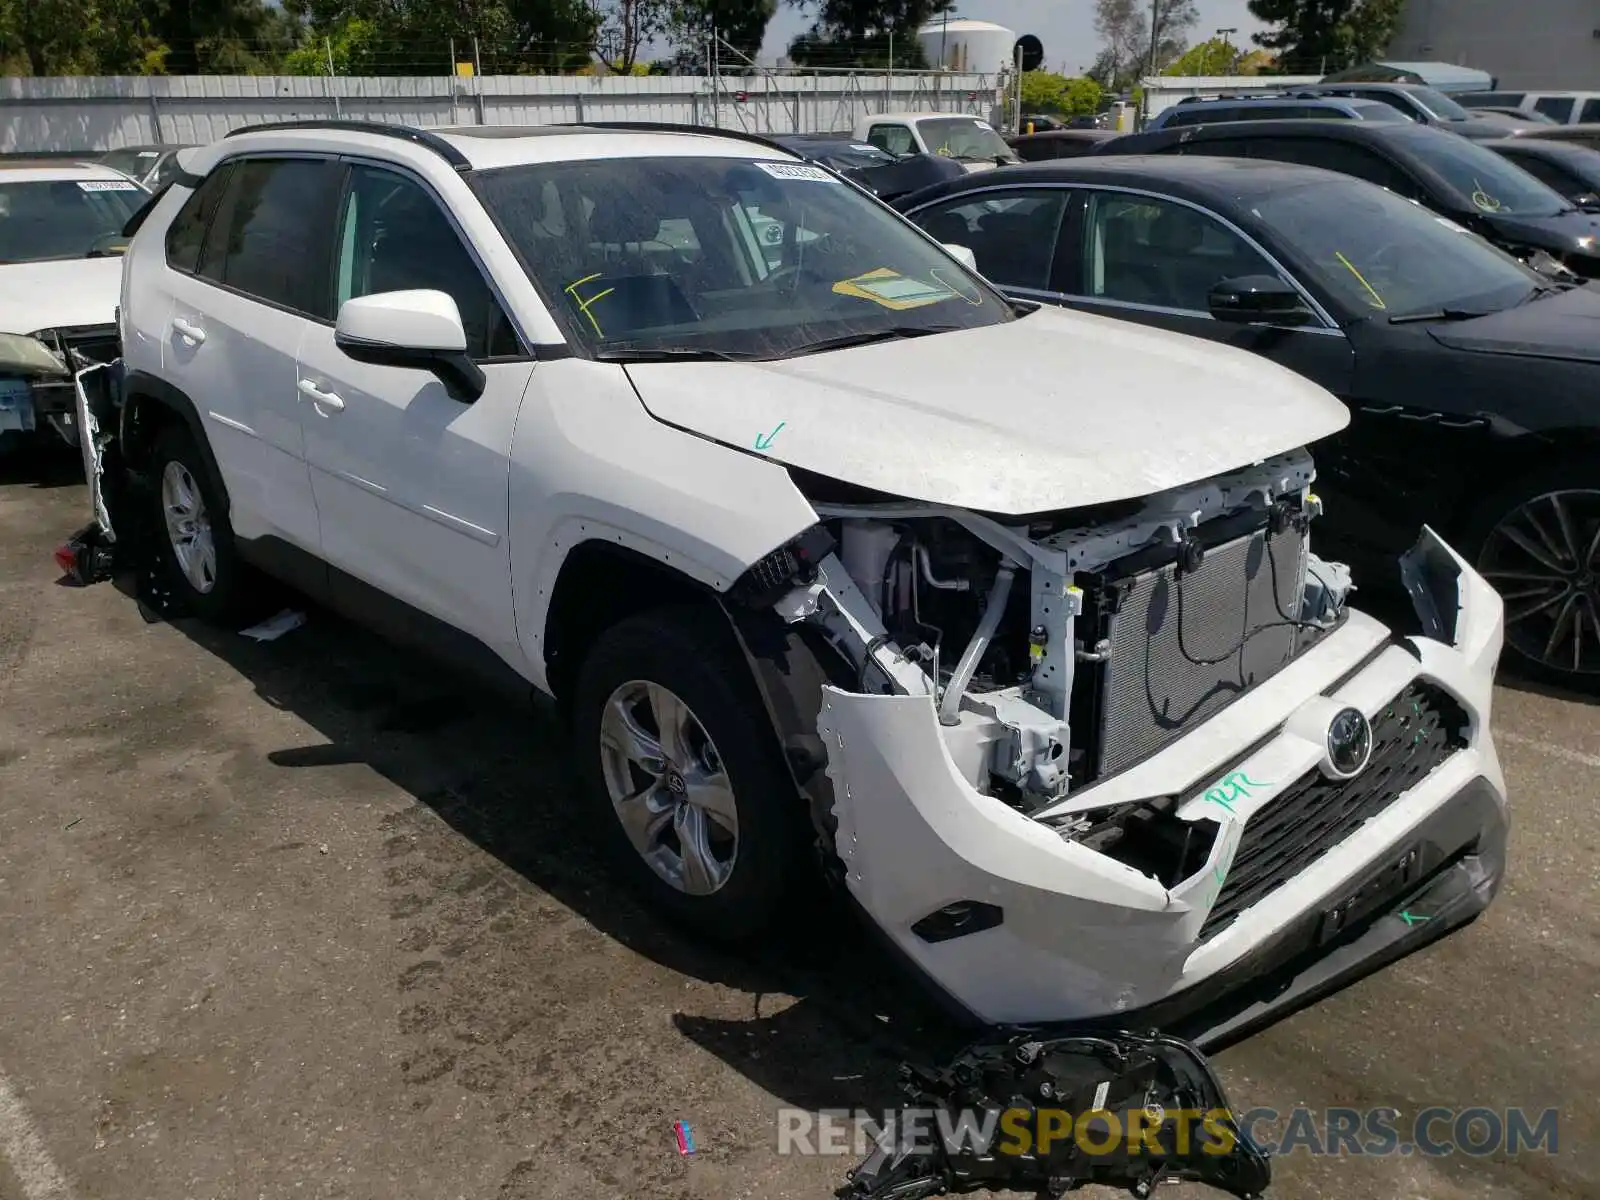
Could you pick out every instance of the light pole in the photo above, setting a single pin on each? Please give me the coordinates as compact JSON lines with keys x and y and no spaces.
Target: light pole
{"x":1232,"y":54}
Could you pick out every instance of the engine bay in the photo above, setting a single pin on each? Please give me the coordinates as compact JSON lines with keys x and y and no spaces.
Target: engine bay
{"x":1062,"y":648}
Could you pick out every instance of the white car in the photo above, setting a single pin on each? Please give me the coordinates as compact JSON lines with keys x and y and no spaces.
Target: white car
{"x":60,"y":274}
{"x":1008,"y":617}
{"x":969,"y":140}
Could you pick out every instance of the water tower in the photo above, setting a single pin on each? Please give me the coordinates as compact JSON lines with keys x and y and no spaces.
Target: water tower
{"x":957,"y":44}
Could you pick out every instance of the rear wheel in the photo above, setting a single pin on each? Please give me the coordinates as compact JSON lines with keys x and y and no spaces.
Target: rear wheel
{"x":192,"y":536}
{"x":1539,"y":545}
{"x":683,"y":774}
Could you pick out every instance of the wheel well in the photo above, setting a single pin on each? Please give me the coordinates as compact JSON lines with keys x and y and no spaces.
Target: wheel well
{"x":147,"y":411}
{"x":1537,"y":453}
{"x":601,"y":584}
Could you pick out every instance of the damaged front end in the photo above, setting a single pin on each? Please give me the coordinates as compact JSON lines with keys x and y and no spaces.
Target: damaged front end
{"x":1087,"y":767}
{"x":38,"y":373}
{"x":1049,"y":1116}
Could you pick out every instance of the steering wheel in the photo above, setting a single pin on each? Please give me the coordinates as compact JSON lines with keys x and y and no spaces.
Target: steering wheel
{"x":786,"y":279}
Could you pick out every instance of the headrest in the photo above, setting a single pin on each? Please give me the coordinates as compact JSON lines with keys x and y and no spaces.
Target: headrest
{"x":1177,"y":230}
{"x":621,"y":218}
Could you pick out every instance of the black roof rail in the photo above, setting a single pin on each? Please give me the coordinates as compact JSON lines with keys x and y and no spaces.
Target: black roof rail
{"x":668,"y":127}
{"x":406,"y":133}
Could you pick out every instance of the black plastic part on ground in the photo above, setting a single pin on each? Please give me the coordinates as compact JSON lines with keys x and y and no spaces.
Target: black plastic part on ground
{"x":1120,"y":1110}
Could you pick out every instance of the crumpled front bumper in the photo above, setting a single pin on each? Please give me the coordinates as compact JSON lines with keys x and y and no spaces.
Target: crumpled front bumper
{"x":1080,"y":937}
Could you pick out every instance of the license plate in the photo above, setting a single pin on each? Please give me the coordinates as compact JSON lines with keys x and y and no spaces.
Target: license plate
{"x":1380,"y":888}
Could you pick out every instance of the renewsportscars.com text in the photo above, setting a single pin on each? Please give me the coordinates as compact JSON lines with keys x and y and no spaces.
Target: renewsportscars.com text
{"x":1375,"y":1132}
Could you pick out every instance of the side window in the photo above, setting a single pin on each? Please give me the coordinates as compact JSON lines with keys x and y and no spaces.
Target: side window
{"x":1591,"y":111}
{"x":896,"y":139}
{"x":269,"y":237}
{"x":1012,"y":234}
{"x":394,"y":237}
{"x":1393,"y":101}
{"x":1558,"y":108}
{"x":1145,"y":250}
{"x":188,"y":228}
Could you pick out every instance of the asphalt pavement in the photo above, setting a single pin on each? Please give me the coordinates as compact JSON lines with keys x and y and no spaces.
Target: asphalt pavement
{"x":309,"y":919}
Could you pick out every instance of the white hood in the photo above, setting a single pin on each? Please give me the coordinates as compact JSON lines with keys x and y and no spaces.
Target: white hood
{"x":60,"y":294}
{"x":1055,"y":410}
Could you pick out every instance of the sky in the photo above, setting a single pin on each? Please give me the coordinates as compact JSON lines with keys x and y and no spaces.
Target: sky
{"x":1066,"y":27}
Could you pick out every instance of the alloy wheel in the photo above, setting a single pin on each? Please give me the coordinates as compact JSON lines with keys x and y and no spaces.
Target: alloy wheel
{"x":188,"y":527}
{"x":1544,"y":559}
{"x":669,"y":788}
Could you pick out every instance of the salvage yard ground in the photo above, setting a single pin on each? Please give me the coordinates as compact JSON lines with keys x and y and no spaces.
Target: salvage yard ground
{"x":308,"y":920}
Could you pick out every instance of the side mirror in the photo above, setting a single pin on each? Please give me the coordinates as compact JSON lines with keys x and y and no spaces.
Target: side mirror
{"x":962,"y":255}
{"x":1257,"y":299}
{"x":419,"y":329}
{"x":1589,"y":202}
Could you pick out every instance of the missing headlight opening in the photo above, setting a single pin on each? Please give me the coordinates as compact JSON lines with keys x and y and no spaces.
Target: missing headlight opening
{"x":1063,"y":648}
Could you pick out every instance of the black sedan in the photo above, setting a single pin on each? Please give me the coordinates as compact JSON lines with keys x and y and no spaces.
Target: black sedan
{"x":1471,"y":379}
{"x":885,"y":175}
{"x":1566,"y":167}
{"x":1451,"y":175}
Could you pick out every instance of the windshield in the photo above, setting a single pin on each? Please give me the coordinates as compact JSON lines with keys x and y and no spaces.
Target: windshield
{"x":1439,"y":104}
{"x":1481,"y":179}
{"x":725,"y":257}
{"x":62,"y":218}
{"x":1379,"y":254}
{"x":963,"y":137}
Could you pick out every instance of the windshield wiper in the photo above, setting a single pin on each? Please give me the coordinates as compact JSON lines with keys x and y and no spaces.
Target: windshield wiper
{"x":1438,"y":314}
{"x":634,"y":354}
{"x":1541,"y":290}
{"x":894,"y":332}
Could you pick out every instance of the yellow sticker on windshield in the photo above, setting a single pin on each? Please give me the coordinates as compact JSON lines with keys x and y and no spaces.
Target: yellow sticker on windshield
{"x":894,"y":290}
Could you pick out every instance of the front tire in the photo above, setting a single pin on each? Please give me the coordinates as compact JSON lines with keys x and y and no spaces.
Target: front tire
{"x":683,"y":773}
{"x":190,"y":531}
{"x":1538,"y":543}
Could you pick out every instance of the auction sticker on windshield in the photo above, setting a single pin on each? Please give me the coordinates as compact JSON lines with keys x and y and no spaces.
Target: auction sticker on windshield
{"x":107,"y":185}
{"x":893,"y":290}
{"x":781,"y":170}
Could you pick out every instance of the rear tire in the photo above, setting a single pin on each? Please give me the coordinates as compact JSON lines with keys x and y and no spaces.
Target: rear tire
{"x":190,"y":534}
{"x":683,"y":774}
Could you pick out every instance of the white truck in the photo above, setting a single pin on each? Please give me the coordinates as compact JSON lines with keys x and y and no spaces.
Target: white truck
{"x":969,"y":140}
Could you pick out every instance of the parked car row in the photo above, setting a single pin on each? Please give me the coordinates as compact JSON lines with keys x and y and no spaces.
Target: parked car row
{"x":1006,"y":617}
{"x":1393,"y":263}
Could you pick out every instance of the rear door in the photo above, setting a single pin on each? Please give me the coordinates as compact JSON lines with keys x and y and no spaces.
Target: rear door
{"x":248,"y":271}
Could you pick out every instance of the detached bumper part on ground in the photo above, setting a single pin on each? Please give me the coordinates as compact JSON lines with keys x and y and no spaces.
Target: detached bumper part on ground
{"x":1120,"y":1109}
{"x":1039,"y":929}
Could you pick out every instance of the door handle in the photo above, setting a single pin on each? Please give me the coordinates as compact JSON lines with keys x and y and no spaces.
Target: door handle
{"x":190,"y":333}
{"x":329,"y":400}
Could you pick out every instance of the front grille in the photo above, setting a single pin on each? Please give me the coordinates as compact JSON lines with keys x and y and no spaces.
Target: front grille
{"x":1420,"y":728}
{"x":1159,"y":678}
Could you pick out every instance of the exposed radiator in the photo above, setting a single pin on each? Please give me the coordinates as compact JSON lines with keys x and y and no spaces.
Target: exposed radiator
{"x":1157,"y":679}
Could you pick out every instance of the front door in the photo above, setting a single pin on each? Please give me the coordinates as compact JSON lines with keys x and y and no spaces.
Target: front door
{"x":412,"y":483}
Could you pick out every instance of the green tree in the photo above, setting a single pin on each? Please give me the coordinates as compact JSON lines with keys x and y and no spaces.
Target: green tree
{"x":73,"y":37}
{"x":1318,"y":36}
{"x":1214,"y":57}
{"x":1046,"y":92}
{"x":856,"y":33}
{"x":740,"y":24}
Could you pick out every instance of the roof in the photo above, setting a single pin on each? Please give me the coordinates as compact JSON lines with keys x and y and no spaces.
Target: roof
{"x":1446,"y":77}
{"x":1201,"y":178}
{"x":485,"y":147}
{"x":44,"y":170}
{"x":1391,"y":132}
{"x":1065,"y":135}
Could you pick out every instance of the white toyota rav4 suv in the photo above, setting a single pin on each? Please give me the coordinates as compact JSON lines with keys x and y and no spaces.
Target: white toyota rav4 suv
{"x":1009,"y":617}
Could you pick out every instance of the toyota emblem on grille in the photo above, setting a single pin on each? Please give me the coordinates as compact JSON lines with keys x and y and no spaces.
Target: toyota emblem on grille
{"x":1349,"y":743}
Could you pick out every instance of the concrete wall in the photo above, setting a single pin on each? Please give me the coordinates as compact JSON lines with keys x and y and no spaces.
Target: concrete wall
{"x":90,"y":114}
{"x":1553,"y":44}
